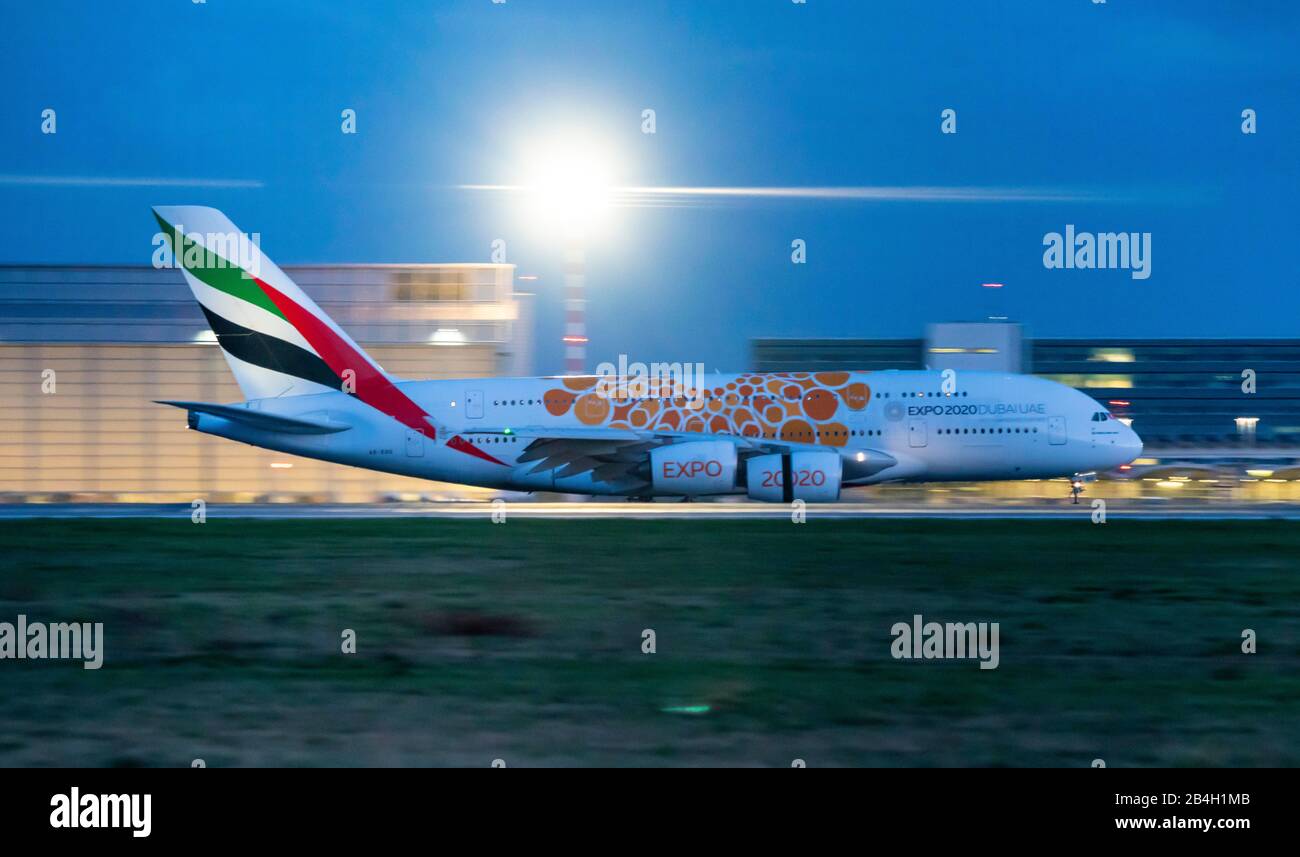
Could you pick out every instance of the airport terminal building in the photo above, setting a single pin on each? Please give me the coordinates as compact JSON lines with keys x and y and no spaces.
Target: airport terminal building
{"x":1217,"y":416}
{"x":1177,"y":392}
{"x":84,"y":351}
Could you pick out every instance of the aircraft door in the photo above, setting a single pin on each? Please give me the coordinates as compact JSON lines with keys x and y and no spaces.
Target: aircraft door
{"x":414,"y":444}
{"x":474,"y":405}
{"x":1056,"y":431}
{"x":916,"y":435}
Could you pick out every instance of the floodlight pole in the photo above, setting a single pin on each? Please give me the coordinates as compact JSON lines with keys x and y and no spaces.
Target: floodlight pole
{"x":575,"y":308}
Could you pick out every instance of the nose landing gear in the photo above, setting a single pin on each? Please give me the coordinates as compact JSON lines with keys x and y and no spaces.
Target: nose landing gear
{"x":1076,"y":484}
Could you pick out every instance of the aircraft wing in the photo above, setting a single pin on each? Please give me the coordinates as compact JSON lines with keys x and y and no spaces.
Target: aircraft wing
{"x":620,"y":455}
{"x":597,"y":433}
{"x":611,"y":454}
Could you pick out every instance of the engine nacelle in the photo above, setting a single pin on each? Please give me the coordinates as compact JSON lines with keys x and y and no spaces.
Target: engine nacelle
{"x":697,"y":467}
{"x":810,"y":476}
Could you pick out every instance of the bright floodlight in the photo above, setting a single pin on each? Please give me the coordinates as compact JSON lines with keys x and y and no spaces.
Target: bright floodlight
{"x":569,"y":185}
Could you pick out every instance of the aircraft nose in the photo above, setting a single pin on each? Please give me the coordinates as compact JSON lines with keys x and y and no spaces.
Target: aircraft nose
{"x":1132,"y":444}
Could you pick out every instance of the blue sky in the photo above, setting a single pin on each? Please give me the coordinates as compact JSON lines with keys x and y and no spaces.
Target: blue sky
{"x":1133,"y":108}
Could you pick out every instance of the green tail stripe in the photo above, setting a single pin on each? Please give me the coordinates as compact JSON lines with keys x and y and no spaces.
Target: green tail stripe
{"x":223,"y":275}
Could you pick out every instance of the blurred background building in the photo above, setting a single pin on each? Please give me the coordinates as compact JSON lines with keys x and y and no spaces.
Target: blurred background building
{"x":1219,"y":417}
{"x":117,"y":338}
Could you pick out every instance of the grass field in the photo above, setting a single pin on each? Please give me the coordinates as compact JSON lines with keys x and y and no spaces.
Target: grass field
{"x":522,"y":641}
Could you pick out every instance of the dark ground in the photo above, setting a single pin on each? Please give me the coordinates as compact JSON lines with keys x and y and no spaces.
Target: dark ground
{"x":522,"y":641}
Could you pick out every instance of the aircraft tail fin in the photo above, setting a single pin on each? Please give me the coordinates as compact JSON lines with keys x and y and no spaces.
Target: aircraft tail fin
{"x":275,"y":338}
{"x":277,"y":341}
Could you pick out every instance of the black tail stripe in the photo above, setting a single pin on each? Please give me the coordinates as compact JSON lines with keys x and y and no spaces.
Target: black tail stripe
{"x":269,"y":352}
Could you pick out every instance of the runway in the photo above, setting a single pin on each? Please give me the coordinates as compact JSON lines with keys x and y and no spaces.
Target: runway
{"x":1115,"y":511}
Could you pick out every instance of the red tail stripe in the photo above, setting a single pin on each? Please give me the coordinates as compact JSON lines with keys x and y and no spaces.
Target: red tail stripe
{"x":459,"y":444}
{"x":372,"y":387}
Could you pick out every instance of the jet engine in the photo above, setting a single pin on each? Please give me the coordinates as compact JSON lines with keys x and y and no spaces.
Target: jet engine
{"x":696,"y":467}
{"x":810,"y":476}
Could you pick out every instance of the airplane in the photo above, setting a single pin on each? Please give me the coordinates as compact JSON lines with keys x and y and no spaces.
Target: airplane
{"x":311,"y":391}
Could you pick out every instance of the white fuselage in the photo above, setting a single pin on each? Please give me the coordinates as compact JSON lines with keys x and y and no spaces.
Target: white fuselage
{"x":988,"y":426}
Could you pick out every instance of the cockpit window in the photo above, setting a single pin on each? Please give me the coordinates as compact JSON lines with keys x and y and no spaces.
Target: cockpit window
{"x":1101,"y":416}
